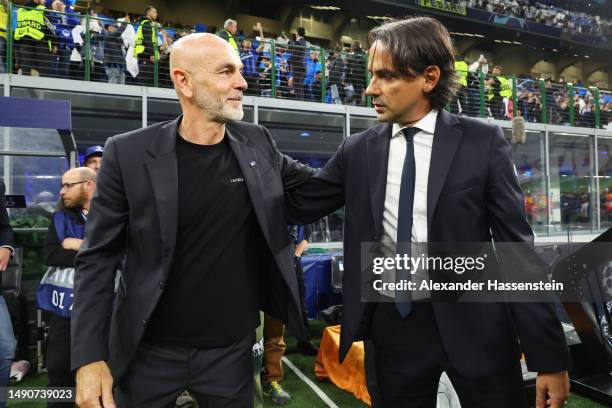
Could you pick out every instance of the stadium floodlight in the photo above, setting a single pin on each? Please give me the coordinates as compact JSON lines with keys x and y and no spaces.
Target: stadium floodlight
{"x":325,"y":8}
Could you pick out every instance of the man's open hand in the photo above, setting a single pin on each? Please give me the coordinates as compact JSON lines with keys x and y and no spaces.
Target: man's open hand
{"x":552,"y":389}
{"x":94,"y":386}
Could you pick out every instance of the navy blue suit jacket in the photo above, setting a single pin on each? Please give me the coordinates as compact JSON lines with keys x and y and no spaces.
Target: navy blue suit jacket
{"x":473,"y":196}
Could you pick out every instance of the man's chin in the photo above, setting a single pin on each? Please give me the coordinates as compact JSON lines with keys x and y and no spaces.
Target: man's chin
{"x":233,"y":115}
{"x":382,"y":117}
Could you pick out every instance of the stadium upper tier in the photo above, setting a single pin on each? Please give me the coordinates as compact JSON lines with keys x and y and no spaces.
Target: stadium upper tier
{"x":98,"y":49}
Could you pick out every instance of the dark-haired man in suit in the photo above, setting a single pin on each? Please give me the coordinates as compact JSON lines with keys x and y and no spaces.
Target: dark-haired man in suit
{"x":421,"y":176}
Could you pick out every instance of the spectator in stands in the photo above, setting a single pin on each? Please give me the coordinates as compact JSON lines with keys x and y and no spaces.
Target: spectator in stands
{"x":63,"y":23}
{"x":499,"y":89}
{"x":285,"y":79}
{"x":165,"y":48}
{"x":93,"y":157}
{"x":265,"y":75}
{"x":337,"y":75}
{"x":7,"y":338}
{"x":114,"y":55}
{"x":129,"y":44}
{"x":356,"y":71}
{"x":96,"y":42}
{"x":316,"y":87}
{"x":230,"y":28}
{"x":478,"y":67}
{"x":146,"y":46}
{"x":312,"y":67}
{"x":34,"y":39}
{"x":297,"y":62}
{"x":250,"y":57}
{"x":64,"y":239}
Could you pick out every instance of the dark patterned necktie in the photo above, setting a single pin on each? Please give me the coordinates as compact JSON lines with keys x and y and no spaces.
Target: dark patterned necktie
{"x":404,"y":221}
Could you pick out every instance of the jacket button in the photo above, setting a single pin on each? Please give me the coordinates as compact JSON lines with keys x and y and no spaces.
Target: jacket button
{"x":161,"y":284}
{"x":253,"y":164}
{"x":144,"y":322}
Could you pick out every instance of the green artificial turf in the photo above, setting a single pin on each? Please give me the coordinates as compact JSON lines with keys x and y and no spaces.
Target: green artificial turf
{"x":302,"y":395}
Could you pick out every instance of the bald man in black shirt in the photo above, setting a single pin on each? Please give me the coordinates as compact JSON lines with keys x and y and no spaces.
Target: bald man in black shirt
{"x":196,"y":204}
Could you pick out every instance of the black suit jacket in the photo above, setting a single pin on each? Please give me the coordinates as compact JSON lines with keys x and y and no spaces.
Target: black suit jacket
{"x":6,"y":232}
{"x":134,"y":212}
{"x":473,"y":196}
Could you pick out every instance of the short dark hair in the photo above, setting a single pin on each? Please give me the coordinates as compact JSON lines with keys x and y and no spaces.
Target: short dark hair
{"x":147,"y":9}
{"x":301,"y":31}
{"x":415,"y":44}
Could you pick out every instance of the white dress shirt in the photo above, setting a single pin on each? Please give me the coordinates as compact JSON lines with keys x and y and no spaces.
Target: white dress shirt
{"x":423,"y":142}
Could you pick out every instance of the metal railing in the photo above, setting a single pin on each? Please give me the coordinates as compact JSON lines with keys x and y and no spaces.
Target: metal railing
{"x":86,"y":47}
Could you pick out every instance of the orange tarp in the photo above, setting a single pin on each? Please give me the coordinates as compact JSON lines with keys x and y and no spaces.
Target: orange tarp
{"x":350,"y":375}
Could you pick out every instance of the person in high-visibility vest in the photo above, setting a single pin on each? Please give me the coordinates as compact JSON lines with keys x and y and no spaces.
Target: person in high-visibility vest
{"x":500,"y":88}
{"x":34,"y":38}
{"x":459,"y":105}
{"x":146,"y":50}
{"x":230,"y":28}
{"x":3,"y":20}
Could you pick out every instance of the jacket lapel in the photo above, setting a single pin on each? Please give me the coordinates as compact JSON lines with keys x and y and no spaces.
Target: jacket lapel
{"x":249,"y":162}
{"x":378,"y":159}
{"x":445,"y":144}
{"x":163,"y":172}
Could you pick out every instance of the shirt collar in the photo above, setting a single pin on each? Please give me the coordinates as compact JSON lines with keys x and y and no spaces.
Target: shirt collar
{"x":426,"y":124}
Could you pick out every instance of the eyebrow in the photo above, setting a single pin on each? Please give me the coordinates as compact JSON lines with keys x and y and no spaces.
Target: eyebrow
{"x":230,"y":66}
{"x":384,"y":72}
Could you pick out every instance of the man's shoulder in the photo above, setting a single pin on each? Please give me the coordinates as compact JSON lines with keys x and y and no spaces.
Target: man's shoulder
{"x":357,"y":139}
{"x":139,"y":136}
{"x":476,"y":126}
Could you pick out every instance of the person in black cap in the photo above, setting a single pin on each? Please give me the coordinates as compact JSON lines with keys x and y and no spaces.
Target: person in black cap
{"x":93,"y":157}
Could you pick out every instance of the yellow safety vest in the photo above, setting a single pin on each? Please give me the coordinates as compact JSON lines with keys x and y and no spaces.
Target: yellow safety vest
{"x":3,"y":19}
{"x":30,"y":23}
{"x":505,"y":88}
{"x":462,"y":70}
{"x":139,"y":48}
{"x":232,"y":41}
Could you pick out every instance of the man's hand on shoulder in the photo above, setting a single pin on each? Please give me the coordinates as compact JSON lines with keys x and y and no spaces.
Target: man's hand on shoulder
{"x":94,"y":386}
{"x":5,"y":256}
{"x":552,"y":389}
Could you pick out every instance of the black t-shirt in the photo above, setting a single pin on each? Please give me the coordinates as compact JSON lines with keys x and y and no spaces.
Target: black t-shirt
{"x":211,"y":298}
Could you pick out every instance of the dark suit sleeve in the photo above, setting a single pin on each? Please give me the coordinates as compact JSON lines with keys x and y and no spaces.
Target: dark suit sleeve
{"x":97,"y":261}
{"x":53,"y":252}
{"x":540,"y":333}
{"x":292,"y":172}
{"x":321,"y":194}
{"x":6,"y":232}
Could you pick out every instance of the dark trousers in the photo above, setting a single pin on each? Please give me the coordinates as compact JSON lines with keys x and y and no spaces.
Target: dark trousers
{"x":409,"y":359}
{"x":216,"y":377}
{"x":299,"y":271}
{"x":58,"y":357}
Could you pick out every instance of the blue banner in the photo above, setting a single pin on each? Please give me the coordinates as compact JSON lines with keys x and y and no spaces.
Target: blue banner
{"x":55,"y":293}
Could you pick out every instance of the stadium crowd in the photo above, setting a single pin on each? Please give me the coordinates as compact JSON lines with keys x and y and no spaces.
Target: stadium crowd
{"x":551,"y":14}
{"x":129,"y":50}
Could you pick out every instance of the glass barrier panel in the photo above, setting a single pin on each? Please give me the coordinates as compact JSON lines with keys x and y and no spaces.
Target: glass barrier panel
{"x":572,"y":187}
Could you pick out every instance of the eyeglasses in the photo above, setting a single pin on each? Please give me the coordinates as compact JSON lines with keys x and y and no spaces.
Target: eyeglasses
{"x":68,"y":186}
